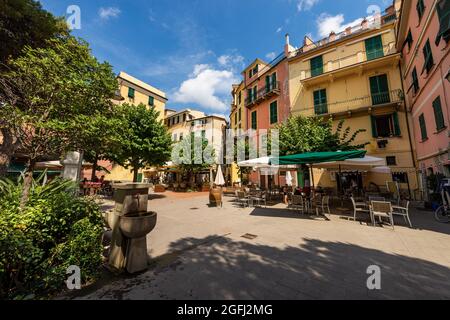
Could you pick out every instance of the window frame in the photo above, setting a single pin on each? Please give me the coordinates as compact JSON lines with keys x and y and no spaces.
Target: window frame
{"x":423,"y":127}
{"x":316,"y":70}
{"x":438,"y":114}
{"x":321,"y":97}
{"x":429,"y":59}
{"x":131,"y":93}
{"x":374,"y":53}
{"x":273,"y":116}
{"x":254,"y":120}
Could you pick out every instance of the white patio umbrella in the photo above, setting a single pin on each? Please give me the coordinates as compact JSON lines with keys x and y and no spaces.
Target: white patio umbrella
{"x":219,"y":181}
{"x":366,"y":163}
{"x":289,"y":178}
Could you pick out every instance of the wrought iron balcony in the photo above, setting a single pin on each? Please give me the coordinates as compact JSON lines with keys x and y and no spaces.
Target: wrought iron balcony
{"x":263,"y":94}
{"x":353,"y":105}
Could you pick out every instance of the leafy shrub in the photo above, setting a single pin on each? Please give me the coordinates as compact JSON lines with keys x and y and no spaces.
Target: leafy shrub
{"x":56,"y":229}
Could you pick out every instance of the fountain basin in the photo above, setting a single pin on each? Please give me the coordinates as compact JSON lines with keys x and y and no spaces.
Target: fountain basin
{"x":137,"y":225}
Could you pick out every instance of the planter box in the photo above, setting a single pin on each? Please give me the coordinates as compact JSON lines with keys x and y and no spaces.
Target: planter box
{"x":159,"y":188}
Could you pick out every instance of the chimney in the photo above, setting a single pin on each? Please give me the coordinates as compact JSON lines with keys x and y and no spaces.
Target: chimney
{"x":365,"y":24}
{"x":332,"y":36}
{"x":287,"y":47}
{"x":287,"y":38}
{"x":348,"y":30}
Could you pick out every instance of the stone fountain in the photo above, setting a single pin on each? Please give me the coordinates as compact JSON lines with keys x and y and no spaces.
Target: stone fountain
{"x":130,"y":223}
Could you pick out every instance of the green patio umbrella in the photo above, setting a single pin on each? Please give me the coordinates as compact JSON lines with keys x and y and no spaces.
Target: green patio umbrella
{"x":319,"y":157}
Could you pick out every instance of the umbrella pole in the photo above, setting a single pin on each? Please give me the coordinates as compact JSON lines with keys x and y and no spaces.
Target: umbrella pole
{"x":312,"y":176}
{"x":340,"y":187}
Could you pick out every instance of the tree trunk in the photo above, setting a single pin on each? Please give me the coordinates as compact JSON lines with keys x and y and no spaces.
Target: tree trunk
{"x":27,"y":181}
{"x":135,"y":173}
{"x":94,"y":167}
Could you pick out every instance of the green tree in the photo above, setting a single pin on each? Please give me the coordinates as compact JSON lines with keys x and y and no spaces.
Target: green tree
{"x":144,"y":140}
{"x":193,"y":155}
{"x":25,"y":23}
{"x":45,"y":91}
{"x":313,"y":134}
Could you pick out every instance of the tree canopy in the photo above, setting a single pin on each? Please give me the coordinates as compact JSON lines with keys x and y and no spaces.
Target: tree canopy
{"x":313,"y":134}
{"x":144,"y":140}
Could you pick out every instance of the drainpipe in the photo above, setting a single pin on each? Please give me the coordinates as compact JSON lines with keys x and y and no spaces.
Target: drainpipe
{"x":408,"y":128}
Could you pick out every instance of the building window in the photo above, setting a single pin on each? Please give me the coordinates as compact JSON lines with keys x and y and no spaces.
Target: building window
{"x":239,"y":113}
{"x":409,"y":40}
{"x":203,"y":134}
{"x":235,"y":118}
{"x":379,"y":89}
{"x":320,"y":101}
{"x":374,"y":48}
{"x":181,"y":136}
{"x":385,"y":126}
{"x":443,"y":11}
{"x":400,"y":177}
{"x":423,"y":127}
{"x":273,"y":112}
{"x":151,"y":101}
{"x":255,"y":92}
{"x":316,"y":66}
{"x":391,"y":161}
{"x":420,"y":7}
{"x":184,"y":117}
{"x":239,"y":97}
{"x":438,"y":115}
{"x":254,"y":121}
{"x":415,"y":80}
{"x":428,"y":55}
{"x":253,"y":71}
{"x":271,"y":82}
{"x":131,"y":93}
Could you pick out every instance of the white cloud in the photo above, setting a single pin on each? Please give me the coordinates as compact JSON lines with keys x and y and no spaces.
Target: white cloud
{"x":305,"y":5}
{"x":231,"y":60}
{"x":279,"y":29}
{"x":110,"y":12}
{"x":207,"y":87}
{"x":271,"y":55}
{"x":327,"y":23}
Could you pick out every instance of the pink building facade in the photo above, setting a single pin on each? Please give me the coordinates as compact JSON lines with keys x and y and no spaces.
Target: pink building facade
{"x":266,"y":103}
{"x":423,"y":38}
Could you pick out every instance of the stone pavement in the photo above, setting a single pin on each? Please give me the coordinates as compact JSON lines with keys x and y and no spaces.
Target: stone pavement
{"x":197,"y":252}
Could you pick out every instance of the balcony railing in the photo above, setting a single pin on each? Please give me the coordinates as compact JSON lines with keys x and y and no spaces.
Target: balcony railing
{"x":263,"y":93}
{"x":347,"y":61}
{"x":378,"y":99}
{"x":372,"y":23}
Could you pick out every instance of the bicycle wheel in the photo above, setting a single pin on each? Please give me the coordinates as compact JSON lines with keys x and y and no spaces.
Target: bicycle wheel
{"x":442,"y":214}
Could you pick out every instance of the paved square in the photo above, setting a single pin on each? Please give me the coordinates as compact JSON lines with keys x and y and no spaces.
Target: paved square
{"x":197,"y":252}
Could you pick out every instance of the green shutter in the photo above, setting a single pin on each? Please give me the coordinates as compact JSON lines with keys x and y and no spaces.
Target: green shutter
{"x":268,"y":83}
{"x":374,"y":127}
{"x":420,"y":7}
{"x":415,"y":80}
{"x":239,"y":114}
{"x":397,"y":132}
{"x":379,"y":89}
{"x":320,"y":102}
{"x":374,"y":48}
{"x":130,"y":92}
{"x":316,"y":66}
{"x":428,"y":55}
{"x":151,"y":101}
{"x":438,"y":115}
{"x":423,"y":127}
{"x":254,"y":123}
{"x":443,"y":11}
{"x":249,"y":95}
{"x":274,"y":81}
{"x":255,"y":92}
{"x":273,"y":112}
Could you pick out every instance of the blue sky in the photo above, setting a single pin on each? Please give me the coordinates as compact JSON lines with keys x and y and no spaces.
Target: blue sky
{"x":195,"y":49}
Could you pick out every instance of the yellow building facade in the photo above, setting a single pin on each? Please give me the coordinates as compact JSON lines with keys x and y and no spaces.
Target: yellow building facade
{"x":238,"y":121}
{"x":354,"y":75}
{"x":134,"y":91}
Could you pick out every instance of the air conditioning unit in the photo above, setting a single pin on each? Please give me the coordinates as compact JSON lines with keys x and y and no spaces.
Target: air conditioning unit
{"x":382,"y":143}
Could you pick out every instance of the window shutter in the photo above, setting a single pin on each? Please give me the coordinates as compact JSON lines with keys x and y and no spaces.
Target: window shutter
{"x":268,"y":83}
{"x":316,"y":66}
{"x":255,"y":92}
{"x":374,"y":127}
{"x":274,"y":80}
{"x":397,"y":132}
{"x":130,"y":93}
{"x":438,"y":115}
{"x":423,"y":127}
{"x":273,"y":112}
{"x":443,"y":11}
{"x":151,"y":101}
{"x":254,"y":124}
{"x":374,"y":48}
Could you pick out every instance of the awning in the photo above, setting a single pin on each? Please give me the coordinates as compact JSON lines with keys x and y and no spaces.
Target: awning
{"x":265,"y":163}
{"x":320,"y":157}
{"x":365,"y":163}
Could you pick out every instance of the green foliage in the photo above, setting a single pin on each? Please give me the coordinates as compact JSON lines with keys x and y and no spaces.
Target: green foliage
{"x":312,"y":134}
{"x":144,"y":140}
{"x":24,"y":22}
{"x":55,"y":230}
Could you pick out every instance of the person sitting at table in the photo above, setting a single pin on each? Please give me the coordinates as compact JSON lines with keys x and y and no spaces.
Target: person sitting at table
{"x":285,"y":195}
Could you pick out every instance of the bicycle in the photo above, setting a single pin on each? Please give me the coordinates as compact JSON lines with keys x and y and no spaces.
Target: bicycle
{"x":442,"y":214}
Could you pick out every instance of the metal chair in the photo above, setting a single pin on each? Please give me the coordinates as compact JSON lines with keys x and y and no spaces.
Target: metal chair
{"x":402,"y":211}
{"x":242,"y":199}
{"x":326,"y":204}
{"x":298,"y":203}
{"x":382,"y":209}
{"x":358,"y":207}
{"x":259,"y":197}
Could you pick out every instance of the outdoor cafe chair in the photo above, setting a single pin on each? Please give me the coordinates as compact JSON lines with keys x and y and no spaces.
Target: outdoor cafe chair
{"x":298,"y":203}
{"x":242,"y":199}
{"x":402,"y":211}
{"x":326,"y":204}
{"x":382,"y":209}
{"x":259,"y":197}
{"x":358,"y":207}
